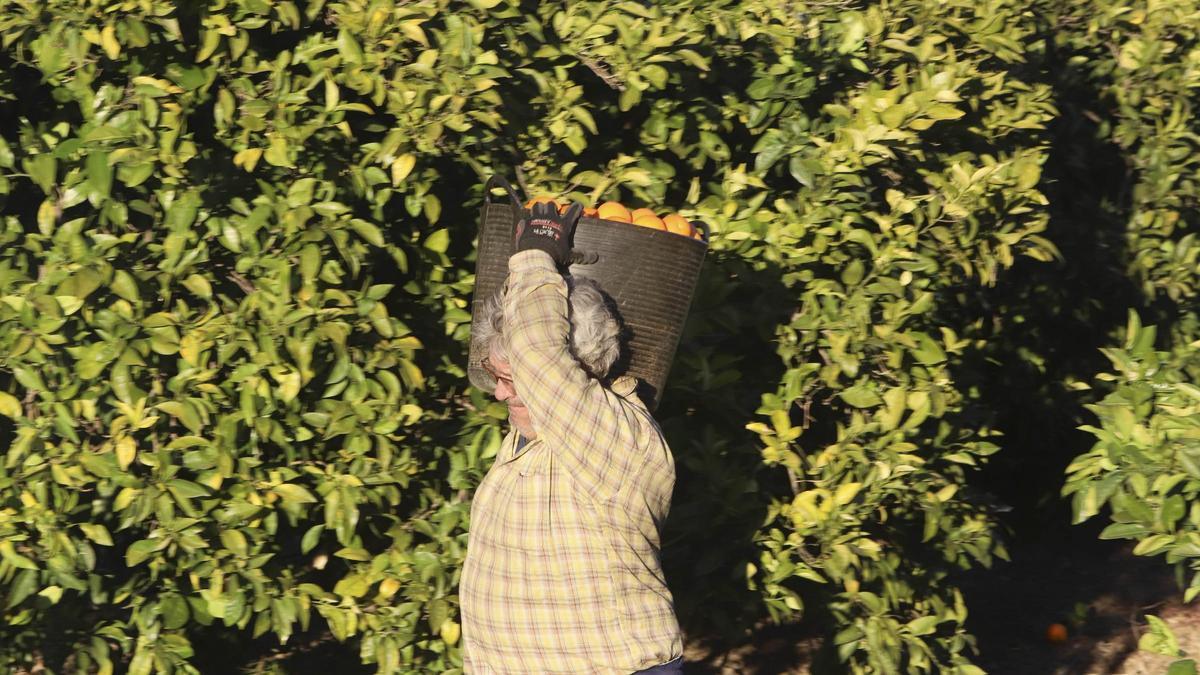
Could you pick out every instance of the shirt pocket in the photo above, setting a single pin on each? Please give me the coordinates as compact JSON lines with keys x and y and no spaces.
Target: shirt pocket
{"x":530,"y":512}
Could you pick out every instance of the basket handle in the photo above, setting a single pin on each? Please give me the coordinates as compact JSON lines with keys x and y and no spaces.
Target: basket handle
{"x":500,"y":181}
{"x":497,"y":181}
{"x":583,"y":257}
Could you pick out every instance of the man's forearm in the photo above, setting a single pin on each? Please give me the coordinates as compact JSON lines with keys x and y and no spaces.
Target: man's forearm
{"x":586,"y":424}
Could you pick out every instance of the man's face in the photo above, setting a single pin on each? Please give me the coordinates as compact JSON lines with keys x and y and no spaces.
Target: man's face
{"x":518,"y":414}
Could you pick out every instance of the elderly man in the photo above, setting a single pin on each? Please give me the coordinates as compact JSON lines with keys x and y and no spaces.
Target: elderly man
{"x":562,"y":573}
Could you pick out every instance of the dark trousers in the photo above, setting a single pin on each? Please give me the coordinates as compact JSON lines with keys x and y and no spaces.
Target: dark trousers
{"x":669,"y":668}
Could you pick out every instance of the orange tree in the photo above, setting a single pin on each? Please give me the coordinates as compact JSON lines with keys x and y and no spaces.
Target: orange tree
{"x":874,"y":226}
{"x":1144,"y":466}
{"x":235,"y":272}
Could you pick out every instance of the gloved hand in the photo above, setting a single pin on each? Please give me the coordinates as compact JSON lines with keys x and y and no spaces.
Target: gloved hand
{"x":545,"y":229}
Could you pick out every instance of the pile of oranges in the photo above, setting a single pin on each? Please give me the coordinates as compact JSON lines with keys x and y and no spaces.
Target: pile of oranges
{"x":672,"y":222}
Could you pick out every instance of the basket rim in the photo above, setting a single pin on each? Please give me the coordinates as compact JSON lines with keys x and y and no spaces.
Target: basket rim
{"x":706,"y":241}
{"x":630,"y":226}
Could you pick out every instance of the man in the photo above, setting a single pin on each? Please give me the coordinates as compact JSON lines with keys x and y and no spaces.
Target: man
{"x":562,"y":572}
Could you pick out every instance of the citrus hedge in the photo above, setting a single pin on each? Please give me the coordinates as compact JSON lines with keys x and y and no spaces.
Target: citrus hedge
{"x":235,"y":268}
{"x":1145,"y":464}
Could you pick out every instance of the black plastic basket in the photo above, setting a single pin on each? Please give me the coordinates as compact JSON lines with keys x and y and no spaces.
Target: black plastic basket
{"x":650,"y":274}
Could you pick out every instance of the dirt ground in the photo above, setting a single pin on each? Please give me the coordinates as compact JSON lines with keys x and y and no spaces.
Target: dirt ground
{"x":1098,"y":589}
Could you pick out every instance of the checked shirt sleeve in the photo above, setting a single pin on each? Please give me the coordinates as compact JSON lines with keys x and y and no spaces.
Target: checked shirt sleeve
{"x":599,"y":436}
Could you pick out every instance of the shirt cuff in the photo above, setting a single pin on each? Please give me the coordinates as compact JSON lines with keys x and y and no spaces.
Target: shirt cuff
{"x":533,"y":259}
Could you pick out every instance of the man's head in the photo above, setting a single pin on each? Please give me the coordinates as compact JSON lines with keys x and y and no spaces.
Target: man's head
{"x":594,"y":342}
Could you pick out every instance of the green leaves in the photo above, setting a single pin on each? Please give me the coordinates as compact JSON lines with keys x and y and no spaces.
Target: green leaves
{"x":9,"y":405}
{"x":139,"y":551}
{"x":235,"y":313}
{"x":97,"y":533}
{"x":200,"y":334}
{"x":368,"y":231}
{"x":42,"y":170}
{"x":1143,"y":465}
{"x":878,"y":212}
{"x":861,"y":396}
{"x":294,"y":493}
{"x":348,"y":47}
{"x":277,"y":152}
{"x":1160,"y":639}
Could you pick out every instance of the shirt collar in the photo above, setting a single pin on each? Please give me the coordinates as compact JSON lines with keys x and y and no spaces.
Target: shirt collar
{"x":515,"y":446}
{"x":625,"y":386}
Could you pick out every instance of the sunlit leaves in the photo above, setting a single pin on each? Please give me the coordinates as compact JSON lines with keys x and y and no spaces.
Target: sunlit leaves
{"x":1144,"y":466}
{"x":190,"y":307}
{"x":875,"y":205}
{"x":234,"y":296}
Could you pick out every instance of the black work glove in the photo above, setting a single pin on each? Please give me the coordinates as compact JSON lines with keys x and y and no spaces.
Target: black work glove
{"x":545,"y":229}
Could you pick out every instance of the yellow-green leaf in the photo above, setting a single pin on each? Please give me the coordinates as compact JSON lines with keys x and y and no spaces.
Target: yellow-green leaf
{"x":9,"y":405}
{"x":108,"y":41}
{"x":290,"y":492}
{"x":401,"y":167}
{"x":277,"y":151}
{"x":97,"y":533}
{"x":126,"y":451}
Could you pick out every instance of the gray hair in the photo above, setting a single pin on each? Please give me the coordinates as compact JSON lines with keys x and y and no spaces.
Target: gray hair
{"x":595,"y":335}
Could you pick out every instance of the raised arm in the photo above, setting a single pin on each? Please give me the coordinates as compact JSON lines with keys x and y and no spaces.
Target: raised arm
{"x":598,"y":435}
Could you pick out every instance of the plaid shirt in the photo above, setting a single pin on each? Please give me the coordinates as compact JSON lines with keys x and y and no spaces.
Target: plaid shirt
{"x":562,"y":572}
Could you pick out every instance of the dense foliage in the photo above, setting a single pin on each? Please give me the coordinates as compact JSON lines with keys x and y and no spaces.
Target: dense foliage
{"x":236,"y":259}
{"x":1145,"y":464}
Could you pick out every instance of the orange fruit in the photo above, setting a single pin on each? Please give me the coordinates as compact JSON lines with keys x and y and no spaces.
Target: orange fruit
{"x":1056,"y":632}
{"x":638,"y":213}
{"x":589,"y":212}
{"x":678,"y":224}
{"x":652,"y":222}
{"x":614,"y":211}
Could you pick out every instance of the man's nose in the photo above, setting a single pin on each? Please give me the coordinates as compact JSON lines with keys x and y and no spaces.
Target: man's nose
{"x":503,"y":391}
